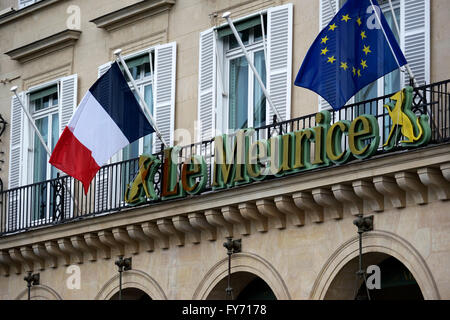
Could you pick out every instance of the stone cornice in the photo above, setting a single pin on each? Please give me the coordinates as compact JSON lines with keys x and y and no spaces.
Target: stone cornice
{"x":44,"y":46}
{"x":409,"y":162}
{"x":133,"y":13}
{"x":16,"y":14}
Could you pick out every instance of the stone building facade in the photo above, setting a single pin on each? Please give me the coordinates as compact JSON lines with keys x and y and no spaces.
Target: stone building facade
{"x":296,"y":229}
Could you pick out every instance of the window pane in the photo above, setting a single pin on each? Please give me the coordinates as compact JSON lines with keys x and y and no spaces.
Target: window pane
{"x":238,"y":107}
{"x":244,"y":37}
{"x":259,"y":100}
{"x":37,"y":104}
{"x":45,"y":101}
{"x":148,"y":96}
{"x":368,"y":92}
{"x":40,"y":155}
{"x":392,"y":80}
{"x":258,"y":33}
{"x":55,"y":99}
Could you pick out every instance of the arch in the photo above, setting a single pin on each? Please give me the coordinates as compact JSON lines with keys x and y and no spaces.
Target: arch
{"x":377,"y":242}
{"x":132,"y":279}
{"x":243,"y":262}
{"x":39,"y":292}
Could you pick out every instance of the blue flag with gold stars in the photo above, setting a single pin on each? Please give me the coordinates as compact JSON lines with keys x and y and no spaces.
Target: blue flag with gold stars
{"x":353,"y":50}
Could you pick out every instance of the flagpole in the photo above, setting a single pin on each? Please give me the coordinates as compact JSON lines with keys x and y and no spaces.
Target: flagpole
{"x":408,"y":69}
{"x":226,"y":16}
{"x":143,"y":104}
{"x":38,"y":133}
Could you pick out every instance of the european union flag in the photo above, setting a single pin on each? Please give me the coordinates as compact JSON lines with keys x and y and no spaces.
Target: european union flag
{"x":352,"y":51}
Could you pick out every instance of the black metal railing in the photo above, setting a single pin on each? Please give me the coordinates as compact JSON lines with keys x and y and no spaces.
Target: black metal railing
{"x":63,"y":200}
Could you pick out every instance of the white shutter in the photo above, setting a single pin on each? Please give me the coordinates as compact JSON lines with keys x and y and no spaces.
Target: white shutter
{"x":103,"y":68}
{"x":16,"y":154}
{"x":325,"y":16}
{"x":16,"y":142}
{"x":415,"y":38}
{"x":164,"y":91}
{"x":68,"y":100}
{"x":279,"y":56}
{"x":24,"y":3}
{"x":207,"y":85}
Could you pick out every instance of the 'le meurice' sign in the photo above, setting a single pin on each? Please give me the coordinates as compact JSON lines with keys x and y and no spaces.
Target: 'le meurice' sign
{"x":239,"y":161}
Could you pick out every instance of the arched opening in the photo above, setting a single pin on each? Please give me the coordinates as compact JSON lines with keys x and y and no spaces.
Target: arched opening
{"x":246,"y":286}
{"x":132,"y":294}
{"x":396,"y":281}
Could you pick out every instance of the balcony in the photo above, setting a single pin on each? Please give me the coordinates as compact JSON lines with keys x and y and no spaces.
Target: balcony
{"x":62,"y":200}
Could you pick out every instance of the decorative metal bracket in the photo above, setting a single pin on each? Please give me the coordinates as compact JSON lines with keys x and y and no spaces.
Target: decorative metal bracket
{"x":232,"y":246}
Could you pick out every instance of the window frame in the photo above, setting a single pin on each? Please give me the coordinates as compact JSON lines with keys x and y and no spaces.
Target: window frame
{"x":224,"y":56}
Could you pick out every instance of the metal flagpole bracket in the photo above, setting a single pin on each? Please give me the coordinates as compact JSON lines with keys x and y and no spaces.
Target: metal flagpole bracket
{"x":143,"y":104}
{"x":232,"y":246}
{"x":226,"y":16}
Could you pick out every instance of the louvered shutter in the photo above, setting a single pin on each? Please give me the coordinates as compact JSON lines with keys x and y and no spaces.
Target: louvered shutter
{"x":415,"y":38}
{"x":102,"y":181}
{"x":68,"y":102}
{"x":164,"y":91}
{"x":68,"y":98}
{"x":325,"y":16}
{"x":103,"y":68}
{"x":15,"y":161}
{"x":207,"y":85}
{"x":279,"y":55}
{"x":24,"y":3}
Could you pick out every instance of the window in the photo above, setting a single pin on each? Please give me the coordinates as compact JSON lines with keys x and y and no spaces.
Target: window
{"x":246,"y":105}
{"x":26,"y":3}
{"x":229,"y":97}
{"x":51,"y":106}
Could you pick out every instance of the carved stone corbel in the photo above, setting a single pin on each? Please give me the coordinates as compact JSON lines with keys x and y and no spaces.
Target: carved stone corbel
{"x":365,"y":190}
{"x":6,"y":262}
{"x":166,"y":227}
{"x":326,"y":199}
{"x":215,"y":218}
{"x":268,"y":209}
{"x":409,"y":182}
{"x":80,"y":244}
{"x":198,"y":221}
{"x":93,"y":241}
{"x":232,"y":215}
{"x":54,"y":250}
{"x":345,"y":194}
{"x":445,"y":169}
{"x":18,"y":259}
{"x":287,"y":206}
{"x":121,"y":236}
{"x":40,"y":250}
{"x":432,"y":178}
{"x":249,"y":211}
{"x":107,"y":238}
{"x":151,"y":230}
{"x":137,"y":234}
{"x":29,"y":255}
{"x":305,"y":202}
{"x":66,"y":246}
{"x":181,"y":223}
{"x":388,"y":187}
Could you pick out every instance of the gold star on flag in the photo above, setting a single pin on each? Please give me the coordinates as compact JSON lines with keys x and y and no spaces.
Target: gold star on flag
{"x":359,"y":22}
{"x":344,"y":65}
{"x":331,"y":59}
{"x":363,"y":35}
{"x":333,"y":26}
{"x":324,"y":40}
{"x":324,"y":51}
{"x":346,"y":18}
{"x":366,"y":49}
{"x":359,"y":73}
{"x":354,"y":71}
{"x":364,"y":63}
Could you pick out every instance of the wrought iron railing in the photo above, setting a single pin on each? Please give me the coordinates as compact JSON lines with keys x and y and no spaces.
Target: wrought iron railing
{"x":63,"y":200}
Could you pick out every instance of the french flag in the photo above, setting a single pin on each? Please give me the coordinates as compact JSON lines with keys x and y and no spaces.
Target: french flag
{"x":107,"y":119}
